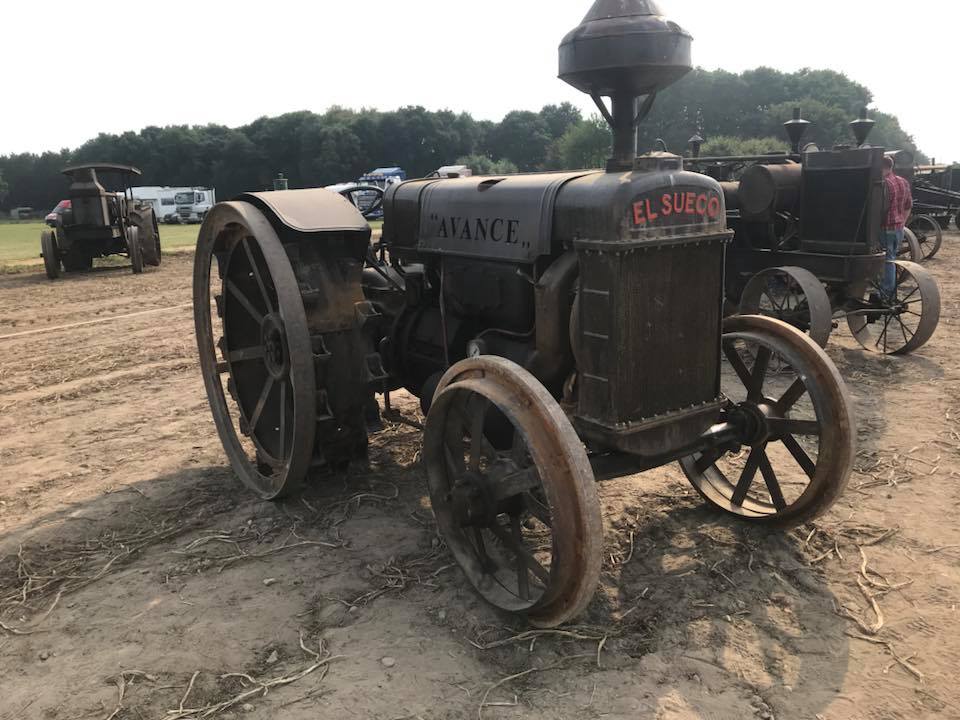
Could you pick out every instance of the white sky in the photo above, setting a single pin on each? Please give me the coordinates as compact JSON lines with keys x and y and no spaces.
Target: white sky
{"x":231,"y":62}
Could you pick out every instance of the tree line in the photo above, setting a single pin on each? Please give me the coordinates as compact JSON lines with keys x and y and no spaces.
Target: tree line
{"x":735,"y":113}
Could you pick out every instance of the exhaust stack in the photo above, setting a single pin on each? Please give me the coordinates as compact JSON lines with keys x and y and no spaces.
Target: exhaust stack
{"x":796,"y":129}
{"x":624,"y":50}
{"x":862,"y":127}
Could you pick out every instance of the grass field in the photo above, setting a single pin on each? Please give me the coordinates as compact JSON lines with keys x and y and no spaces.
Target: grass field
{"x":20,"y":242}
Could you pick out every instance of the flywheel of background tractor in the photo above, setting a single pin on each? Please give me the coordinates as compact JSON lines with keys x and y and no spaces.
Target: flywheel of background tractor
{"x":513,"y":491}
{"x":261,"y":386}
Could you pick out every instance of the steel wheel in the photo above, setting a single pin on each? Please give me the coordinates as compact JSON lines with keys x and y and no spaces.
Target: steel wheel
{"x":269,"y":424}
{"x":928,"y":233}
{"x":793,"y":295}
{"x":956,"y":220}
{"x":51,"y":254}
{"x":513,"y":491}
{"x":797,"y":428}
{"x":901,"y":324}
{"x":910,"y":248}
{"x":134,"y":250}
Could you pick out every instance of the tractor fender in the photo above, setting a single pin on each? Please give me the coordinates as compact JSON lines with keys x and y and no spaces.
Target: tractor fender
{"x":308,"y":211}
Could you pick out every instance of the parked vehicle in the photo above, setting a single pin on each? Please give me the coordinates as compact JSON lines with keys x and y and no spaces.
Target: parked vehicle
{"x":177,"y":204}
{"x":194,"y":204}
{"x":51,"y":218}
{"x":99,"y":223}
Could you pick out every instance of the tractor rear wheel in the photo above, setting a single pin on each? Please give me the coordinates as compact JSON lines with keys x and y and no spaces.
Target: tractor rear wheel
{"x":146,"y":223}
{"x":901,"y":324}
{"x":51,"y":254}
{"x":134,"y":250}
{"x":797,"y":422}
{"x":929,"y":234}
{"x":793,"y":295}
{"x":513,"y":491}
{"x":287,"y":360}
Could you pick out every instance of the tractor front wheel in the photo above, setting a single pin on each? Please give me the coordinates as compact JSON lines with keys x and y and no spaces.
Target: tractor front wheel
{"x":134,"y":250}
{"x":51,"y":254}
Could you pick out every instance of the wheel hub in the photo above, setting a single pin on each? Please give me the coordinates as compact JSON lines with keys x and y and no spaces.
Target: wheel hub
{"x":473,"y":504}
{"x":753,"y":419}
{"x":274,"y":340}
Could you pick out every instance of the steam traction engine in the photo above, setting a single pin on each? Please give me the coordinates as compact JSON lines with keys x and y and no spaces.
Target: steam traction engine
{"x":558,"y":328}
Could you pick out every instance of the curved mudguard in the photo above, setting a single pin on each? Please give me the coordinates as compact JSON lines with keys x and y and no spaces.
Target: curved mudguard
{"x":308,"y":211}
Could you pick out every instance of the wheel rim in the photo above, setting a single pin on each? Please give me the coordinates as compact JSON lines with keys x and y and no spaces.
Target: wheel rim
{"x":793,"y":295}
{"x":268,"y":423}
{"x":523,"y":521}
{"x":796,"y":422}
{"x":904,"y":322}
{"x":910,"y":248}
{"x":929,"y":235}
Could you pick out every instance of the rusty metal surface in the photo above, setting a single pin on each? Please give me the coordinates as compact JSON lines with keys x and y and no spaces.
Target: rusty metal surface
{"x":903,"y":323}
{"x":790,"y":390}
{"x":309,"y":210}
{"x":793,"y":295}
{"x":559,"y":499}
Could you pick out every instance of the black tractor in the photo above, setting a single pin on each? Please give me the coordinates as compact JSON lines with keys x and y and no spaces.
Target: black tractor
{"x":100,"y":222}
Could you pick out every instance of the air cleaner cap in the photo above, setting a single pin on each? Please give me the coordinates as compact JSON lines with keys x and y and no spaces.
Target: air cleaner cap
{"x":625,"y":46}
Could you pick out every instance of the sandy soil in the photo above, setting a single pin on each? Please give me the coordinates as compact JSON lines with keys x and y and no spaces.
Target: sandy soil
{"x":138,"y":579}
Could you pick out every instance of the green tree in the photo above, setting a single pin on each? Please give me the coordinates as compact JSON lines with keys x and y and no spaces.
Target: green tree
{"x":484,"y":165}
{"x":522,"y":137}
{"x":728,"y":145}
{"x":3,"y":187}
{"x":586,"y":144}
{"x":560,"y":118}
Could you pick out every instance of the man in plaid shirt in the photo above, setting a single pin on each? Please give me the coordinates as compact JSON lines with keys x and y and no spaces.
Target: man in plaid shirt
{"x":899,"y":198}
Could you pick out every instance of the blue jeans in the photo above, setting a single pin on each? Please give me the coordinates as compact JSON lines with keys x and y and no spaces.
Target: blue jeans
{"x":891,"y":242}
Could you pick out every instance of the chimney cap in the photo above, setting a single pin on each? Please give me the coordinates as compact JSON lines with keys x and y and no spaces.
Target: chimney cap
{"x":625,"y":47}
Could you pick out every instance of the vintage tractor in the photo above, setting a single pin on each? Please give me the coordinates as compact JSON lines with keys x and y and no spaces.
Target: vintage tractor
{"x":99,"y":223}
{"x":558,"y":329}
{"x":806,"y":248}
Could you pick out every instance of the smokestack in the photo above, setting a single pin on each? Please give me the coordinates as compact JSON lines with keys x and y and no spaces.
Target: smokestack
{"x":624,"y":50}
{"x":861,"y":127}
{"x":796,"y":129}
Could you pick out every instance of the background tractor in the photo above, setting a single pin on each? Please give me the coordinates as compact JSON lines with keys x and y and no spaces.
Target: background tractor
{"x":99,"y":223}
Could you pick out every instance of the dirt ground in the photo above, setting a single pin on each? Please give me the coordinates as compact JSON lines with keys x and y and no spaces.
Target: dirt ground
{"x":139,"y":580}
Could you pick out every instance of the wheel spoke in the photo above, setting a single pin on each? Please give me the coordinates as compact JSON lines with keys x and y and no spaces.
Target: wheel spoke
{"x":250,"y":353}
{"x":455,"y":460}
{"x":780,"y":427}
{"x":773,"y":485}
{"x":536,"y":508}
{"x":261,"y":403}
{"x":242,"y":299}
{"x":523,"y":578}
{"x":747,"y":476}
{"x":800,"y":455}
{"x":522,"y":553}
{"x":485,"y":560}
{"x":730,"y":350}
{"x":707,"y":459}
{"x":759,"y":375}
{"x":476,"y":434}
{"x":792,"y":395}
{"x":255,"y":269}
